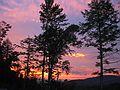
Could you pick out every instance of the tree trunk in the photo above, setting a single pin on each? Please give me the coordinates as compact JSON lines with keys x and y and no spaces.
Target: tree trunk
{"x":43,"y":69}
{"x":28,"y":59}
{"x":101,"y":68}
{"x":50,"y":76}
{"x":27,"y":73}
{"x":27,"y":67}
{"x":101,"y":60}
{"x":57,"y":76}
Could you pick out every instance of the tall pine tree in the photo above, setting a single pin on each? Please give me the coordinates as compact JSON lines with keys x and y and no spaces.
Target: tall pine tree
{"x":8,"y":55}
{"x":100,"y":30}
{"x":28,"y":51}
{"x":56,"y":36}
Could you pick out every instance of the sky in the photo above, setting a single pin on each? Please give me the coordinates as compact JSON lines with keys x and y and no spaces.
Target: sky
{"x":23,"y":16}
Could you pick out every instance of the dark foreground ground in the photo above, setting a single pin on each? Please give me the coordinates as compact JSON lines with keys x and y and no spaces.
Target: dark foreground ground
{"x":110,"y":83}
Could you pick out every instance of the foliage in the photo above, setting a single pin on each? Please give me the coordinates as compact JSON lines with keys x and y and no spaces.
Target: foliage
{"x":8,"y":56}
{"x":100,"y":29}
{"x":57,"y":36}
{"x":60,"y":67}
{"x":4,"y":27}
{"x":29,"y":53}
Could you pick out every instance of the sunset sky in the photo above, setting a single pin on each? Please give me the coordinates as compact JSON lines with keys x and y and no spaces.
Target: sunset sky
{"x":23,"y":15}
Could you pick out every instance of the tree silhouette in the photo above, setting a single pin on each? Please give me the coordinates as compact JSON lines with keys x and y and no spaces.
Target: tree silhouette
{"x":47,"y":14}
{"x":28,"y":51}
{"x":100,"y":30}
{"x":8,"y":56}
{"x":4,"y":27}
{"x":56,"y":36}
{"x":60,"y":67}
{"x":41,"y":49}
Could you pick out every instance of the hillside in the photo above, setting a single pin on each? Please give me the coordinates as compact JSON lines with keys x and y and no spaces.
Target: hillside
{"x":110,"y":83}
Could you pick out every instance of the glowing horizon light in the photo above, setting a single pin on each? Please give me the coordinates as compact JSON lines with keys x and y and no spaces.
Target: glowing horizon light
{"x":76,"y":55}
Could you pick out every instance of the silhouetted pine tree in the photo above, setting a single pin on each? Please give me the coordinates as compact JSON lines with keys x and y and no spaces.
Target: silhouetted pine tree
{"x":100,"y":29}
{"x":60,"y":67}
{"x":41,"y":49}
{"x":56,"y":37}
{"x":28,"y":51}
{"x":4,"y":27}
{"x":8,"y":56}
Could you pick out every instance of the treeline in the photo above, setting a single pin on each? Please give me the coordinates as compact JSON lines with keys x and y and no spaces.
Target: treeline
{"x":44,"y":52}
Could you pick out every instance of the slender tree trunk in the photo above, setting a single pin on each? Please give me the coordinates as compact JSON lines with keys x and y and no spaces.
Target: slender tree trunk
{"x":27,"y":72}
{"x":101,"y":60}
{"x":1,"y":54}
{"x":50,"y":75}
{"x":101,"y":70}
{"x":28,"y":59}
{"x":58,"y":76}
{"x":43,"y":69}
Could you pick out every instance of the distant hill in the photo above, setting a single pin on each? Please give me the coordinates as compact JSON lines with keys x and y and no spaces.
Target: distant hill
{"x":110,"y":83}
{"x":107,"y":80}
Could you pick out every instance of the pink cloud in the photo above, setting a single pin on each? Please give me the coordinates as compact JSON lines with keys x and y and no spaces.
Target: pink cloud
{"x":73,"y":6}
{"x":20,"y":13}
{"x":12,"y":2}
{"x":29,"y":10}
{"x":87,"y":69}
{"x":83,"y":69}
{"x":75,"y":76}
{"x":4,"y":8}
{"x":15,"y":37}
